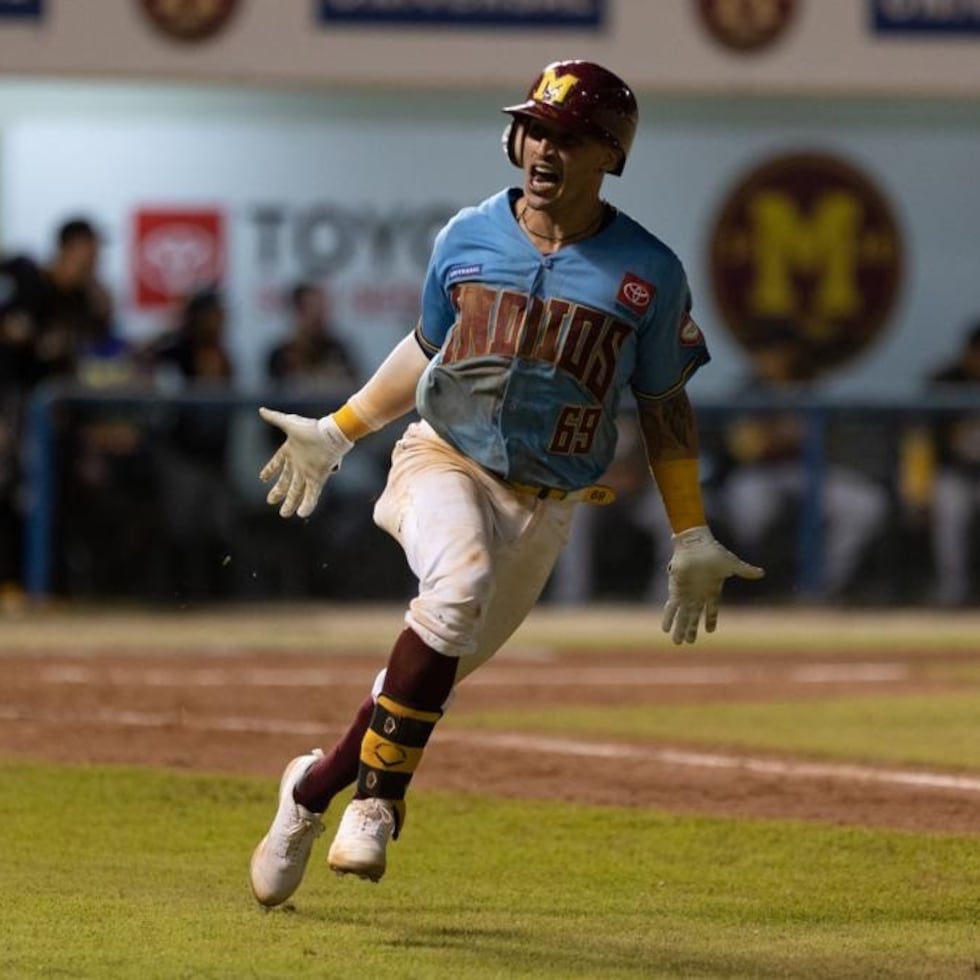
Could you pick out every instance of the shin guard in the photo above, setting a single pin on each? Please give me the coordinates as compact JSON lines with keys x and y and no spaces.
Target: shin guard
{"x":391,"y":752}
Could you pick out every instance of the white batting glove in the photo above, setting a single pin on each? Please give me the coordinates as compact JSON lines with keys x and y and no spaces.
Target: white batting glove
{"x":697,"y":571}
{"x":304,"y":462}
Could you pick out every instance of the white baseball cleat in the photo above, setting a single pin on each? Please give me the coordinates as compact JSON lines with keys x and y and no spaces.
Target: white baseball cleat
{"x":362,"y":837}
{"x":279,"y":860}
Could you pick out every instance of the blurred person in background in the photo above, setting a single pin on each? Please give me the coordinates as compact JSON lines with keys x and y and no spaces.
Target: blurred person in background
{"x":311,"y":356}
{"x":310,"y":362}
{"x":942,"y":477}
{"x":107,"y":501}
{"x":49,"y":313}
{"x":766,"y":475}
{"x":199,"y":508}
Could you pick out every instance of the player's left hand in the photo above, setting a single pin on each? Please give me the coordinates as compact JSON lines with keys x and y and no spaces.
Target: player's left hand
{"x":697,"y":571}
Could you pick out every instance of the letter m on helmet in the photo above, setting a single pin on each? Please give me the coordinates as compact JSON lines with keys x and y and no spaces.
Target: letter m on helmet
{"x":554,"y":88}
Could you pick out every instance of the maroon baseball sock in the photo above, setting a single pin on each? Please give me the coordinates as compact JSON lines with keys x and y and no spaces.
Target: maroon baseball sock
{"x":418,"y":678}
{"x":336,"y":770}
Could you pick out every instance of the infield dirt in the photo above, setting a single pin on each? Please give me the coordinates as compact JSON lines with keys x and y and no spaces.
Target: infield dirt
{"x":242,"y":691}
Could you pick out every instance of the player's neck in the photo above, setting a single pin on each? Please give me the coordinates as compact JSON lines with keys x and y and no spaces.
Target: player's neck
{"x":549,"y":233}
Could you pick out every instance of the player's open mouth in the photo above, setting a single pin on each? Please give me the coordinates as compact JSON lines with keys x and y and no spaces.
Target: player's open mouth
{"x":543,"y":177}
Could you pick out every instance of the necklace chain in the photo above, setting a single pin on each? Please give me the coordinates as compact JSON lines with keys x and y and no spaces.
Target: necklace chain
{"x":521,"y":220}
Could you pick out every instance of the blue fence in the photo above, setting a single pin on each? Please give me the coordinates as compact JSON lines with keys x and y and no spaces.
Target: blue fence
{"x":50,"y":404}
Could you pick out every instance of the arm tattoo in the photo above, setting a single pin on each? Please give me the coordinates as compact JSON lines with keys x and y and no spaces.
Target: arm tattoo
{"x":669,"y":429}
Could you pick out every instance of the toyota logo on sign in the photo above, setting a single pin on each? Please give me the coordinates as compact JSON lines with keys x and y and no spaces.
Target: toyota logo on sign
{"x":175,"y":259}
{"x":176,"y":252}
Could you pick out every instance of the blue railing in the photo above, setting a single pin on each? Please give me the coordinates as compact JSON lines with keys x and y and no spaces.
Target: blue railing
{"x":41,"y":447}
{"x":818,"y":414}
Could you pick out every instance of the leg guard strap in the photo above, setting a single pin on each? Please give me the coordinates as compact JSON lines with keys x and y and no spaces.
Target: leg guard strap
{"x":392,"y":750}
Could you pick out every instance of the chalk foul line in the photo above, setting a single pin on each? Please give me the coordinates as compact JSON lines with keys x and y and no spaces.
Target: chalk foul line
{"x":490,"y":676}
{"x":516,"y":742}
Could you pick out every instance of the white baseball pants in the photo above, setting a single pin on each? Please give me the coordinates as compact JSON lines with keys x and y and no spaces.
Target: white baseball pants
{"x":481,"y":550}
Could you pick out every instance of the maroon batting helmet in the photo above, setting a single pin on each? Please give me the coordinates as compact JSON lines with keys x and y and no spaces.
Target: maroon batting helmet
{"x":582,"y":97}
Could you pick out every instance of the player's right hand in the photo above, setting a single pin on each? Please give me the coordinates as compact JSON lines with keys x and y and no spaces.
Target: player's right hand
{"x":304,"y":462}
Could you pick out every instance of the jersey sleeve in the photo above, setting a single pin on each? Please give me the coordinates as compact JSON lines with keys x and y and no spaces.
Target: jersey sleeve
{"x":438,"y":312}
{"x":671,"y":346}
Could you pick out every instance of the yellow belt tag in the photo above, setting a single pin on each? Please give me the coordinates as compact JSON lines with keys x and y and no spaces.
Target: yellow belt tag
{"x":599,"y":495}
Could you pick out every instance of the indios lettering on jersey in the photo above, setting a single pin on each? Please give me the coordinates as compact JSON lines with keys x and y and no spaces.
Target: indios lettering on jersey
{"x":582,"y":341}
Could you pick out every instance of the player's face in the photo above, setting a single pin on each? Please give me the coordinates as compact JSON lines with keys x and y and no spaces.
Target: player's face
{"x":562,"y":167}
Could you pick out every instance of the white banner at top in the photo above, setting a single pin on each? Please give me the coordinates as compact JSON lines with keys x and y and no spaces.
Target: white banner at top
{"x":792,"y":47}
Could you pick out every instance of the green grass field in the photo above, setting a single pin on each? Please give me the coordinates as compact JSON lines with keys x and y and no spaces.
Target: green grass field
{"x":133,"y":873}
{"x":142,"y":873}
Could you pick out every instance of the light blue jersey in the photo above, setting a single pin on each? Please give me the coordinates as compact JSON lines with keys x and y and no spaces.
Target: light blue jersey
{"x":531,"y":353}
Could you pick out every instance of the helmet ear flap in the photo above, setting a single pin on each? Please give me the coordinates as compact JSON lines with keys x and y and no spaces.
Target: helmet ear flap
{"x":513,"y":142}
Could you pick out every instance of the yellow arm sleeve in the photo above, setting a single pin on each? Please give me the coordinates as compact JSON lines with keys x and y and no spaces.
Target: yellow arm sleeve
{"x":387,"y":395}
{"x":680,"y":488}
{"x":671,"y":437}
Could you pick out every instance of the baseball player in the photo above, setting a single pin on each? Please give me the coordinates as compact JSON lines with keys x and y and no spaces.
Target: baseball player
{"x":540,"y":307}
